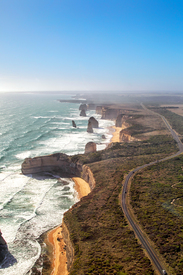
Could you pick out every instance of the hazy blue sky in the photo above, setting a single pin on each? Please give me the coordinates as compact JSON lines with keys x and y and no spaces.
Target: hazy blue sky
{"x":91,"y":45}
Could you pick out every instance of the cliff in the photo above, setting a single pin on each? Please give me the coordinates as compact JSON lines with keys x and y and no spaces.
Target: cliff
{"x":87,"y":175}
{"x":58,"y":163}
{"x":62,"y":165}
{"x":110,"y":113}
{"x":69,"y":247}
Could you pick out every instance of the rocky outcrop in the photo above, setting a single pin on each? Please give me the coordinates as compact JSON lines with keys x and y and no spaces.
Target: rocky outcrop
{"x":59,"y":164}
{"x":83,"y":107}
{"x":119,"y":120}
{"x":90,"y":128}
{"x":73,"y":124}
{"x":3,"y":248}
{"x":103,"y":136}
{"x":69,"y":247}
{"x":82,"y":113}
{"x":90,"y":147}
{"x":87,"y":175}
{"x":110,"y":113}
{"x":124,"y":136}
{"x":93,"y":121}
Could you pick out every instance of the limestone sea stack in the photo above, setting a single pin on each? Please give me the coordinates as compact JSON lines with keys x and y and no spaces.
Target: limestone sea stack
{"x":73,"y":124}
{"x":82,"y":113}
{"x":90,"y":128}
{"x":83,"y":107}
{"x":93,"y":122}
{"x":90,"y":147}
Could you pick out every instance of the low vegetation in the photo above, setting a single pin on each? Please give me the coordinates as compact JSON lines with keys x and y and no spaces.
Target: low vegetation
{"x":175,"y":120}
{"x":102,"y":239}
{"x":157,"y":200}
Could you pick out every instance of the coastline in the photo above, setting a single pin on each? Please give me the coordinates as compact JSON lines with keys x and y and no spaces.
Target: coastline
{"x":116,"y":133}
{"x":54,"y":237}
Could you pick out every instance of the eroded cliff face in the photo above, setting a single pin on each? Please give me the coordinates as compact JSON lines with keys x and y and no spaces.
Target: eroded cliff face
{"x":62,"y":165}
{"x":124,"y":136}
{"x":110,"y":113}
{"x":59,"y":163}
{"x":87,"y":175}
{"x":69,"y":247}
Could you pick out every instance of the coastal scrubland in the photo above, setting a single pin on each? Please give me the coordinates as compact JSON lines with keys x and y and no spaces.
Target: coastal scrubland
{"x":102,"y":239}
{"x":157,"y":201}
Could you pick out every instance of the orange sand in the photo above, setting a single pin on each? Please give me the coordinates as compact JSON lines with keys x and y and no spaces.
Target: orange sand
{"x":82,"y":187}
{"x":59,"y":265}
{"x":116,"y":133}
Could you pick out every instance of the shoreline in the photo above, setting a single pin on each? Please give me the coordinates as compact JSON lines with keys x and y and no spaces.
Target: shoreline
{"x":54,"y":236}
{"x":55,"y":239}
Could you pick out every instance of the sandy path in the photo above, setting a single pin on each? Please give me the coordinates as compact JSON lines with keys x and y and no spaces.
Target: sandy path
{"x":54,"y":236}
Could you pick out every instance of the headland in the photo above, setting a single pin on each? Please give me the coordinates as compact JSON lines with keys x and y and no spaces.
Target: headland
{"x":97,"y":236}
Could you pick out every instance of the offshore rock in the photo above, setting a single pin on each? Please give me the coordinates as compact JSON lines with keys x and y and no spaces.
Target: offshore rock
{"x":90,"y":128}
{"x":103,"y":136}
{"x":83,"y":107}
{"x":94,"y":122}
{"x":59,"y":164}
{"x":82,"y":113}
{"x":73,"y":124}
{"x":90,"y":147}
{"x":3,"y":248}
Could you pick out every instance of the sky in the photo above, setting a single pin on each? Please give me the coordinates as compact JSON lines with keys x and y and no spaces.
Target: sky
{"x":91,"y":45}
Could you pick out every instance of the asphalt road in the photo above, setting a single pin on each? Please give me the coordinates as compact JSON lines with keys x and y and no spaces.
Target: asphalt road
{"x":152,"y":254}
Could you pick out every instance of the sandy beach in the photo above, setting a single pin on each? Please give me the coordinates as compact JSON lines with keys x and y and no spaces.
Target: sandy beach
{"x":116,"y":133}
{"x":54,"y":236}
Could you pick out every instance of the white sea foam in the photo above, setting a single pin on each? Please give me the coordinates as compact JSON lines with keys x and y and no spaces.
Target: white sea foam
{"x":32,"y":206}
{"x":23,"y":155}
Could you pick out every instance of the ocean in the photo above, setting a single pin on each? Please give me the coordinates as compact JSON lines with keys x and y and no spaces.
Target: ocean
{"x":34,"y":124}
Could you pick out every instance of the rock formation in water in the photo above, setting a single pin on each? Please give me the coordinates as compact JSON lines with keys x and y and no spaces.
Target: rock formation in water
{"x":94,"y":122}
{"x":90,"y":128}
{"x":83,"y":107}
{"x":82,"y":113}
{"x":103,"y":136}
{"x":90,"y":147}
{"x":59,"y":164}
{"x":3,"y":248}
{"x":73,"y":124}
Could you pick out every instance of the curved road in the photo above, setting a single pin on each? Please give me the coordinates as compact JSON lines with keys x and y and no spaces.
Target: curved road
{"x":138,"y":232}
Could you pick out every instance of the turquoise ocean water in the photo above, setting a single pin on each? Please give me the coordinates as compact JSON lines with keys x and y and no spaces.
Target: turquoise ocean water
{"x":33,"y":125}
